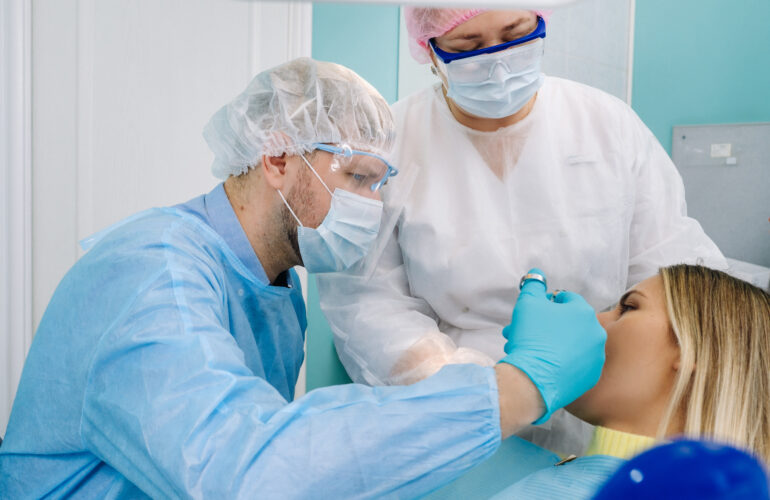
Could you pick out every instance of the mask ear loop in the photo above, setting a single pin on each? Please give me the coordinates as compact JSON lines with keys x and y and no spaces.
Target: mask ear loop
{"x":316,"y":174}
{"x":289,"y":207}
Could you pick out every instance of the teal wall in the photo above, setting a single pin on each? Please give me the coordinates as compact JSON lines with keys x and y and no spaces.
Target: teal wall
{"x":365,"y":39}
{"x":699,"y":62}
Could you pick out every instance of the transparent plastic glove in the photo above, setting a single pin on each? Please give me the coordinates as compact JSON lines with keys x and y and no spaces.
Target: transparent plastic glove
{"x":558,"y":343}
{"x":430,"y":354}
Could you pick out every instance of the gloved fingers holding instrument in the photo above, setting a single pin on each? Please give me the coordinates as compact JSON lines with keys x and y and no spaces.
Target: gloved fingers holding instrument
{"x":556,"y":340}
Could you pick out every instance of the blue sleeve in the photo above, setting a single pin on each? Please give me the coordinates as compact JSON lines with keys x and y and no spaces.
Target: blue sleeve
{"x":171,"y":405}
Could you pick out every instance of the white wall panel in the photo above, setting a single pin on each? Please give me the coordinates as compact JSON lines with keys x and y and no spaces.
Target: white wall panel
{"x":122,"y":92}
{"x":590,"y":42}
{"x":54,"y":146}
{"x":15,"y":198}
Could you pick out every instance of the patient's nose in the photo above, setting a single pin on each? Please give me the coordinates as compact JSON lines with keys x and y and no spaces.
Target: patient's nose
{"x":604,"y":318}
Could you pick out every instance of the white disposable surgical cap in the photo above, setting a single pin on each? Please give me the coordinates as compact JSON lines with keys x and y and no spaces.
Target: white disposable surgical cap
{"x":287,"y":108}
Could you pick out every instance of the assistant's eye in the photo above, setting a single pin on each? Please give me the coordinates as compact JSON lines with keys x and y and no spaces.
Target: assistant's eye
{"x":465,"y":46}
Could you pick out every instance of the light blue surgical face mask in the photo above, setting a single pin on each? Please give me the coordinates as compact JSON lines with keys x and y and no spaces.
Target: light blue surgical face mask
{"x":346,"y":234}
{"x":495,"y":85}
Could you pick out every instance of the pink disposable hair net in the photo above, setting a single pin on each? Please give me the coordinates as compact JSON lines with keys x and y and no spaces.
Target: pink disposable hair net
{"x":424,"y":23}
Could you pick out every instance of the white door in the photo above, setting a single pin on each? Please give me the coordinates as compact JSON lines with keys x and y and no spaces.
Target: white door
{"x":120,"y":92}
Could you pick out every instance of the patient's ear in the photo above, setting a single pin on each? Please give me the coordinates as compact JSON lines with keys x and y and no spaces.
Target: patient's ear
{"x":678,"y":364}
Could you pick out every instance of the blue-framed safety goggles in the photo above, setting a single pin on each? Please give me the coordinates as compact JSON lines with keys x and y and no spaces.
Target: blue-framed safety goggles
{"x":374,"y":173}
{"x":448,"y":57}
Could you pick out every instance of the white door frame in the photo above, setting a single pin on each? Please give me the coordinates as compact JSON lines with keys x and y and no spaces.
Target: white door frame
{"x":16,"y":196}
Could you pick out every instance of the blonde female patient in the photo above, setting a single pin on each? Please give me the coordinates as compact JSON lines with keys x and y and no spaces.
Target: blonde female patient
{"x":687,"y":354}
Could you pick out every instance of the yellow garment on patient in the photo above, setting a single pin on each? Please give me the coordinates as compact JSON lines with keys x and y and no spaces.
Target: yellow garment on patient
{"x":618,"y":444}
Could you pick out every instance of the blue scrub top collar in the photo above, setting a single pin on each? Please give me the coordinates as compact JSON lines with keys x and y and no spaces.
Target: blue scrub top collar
{"x":222,"y":218}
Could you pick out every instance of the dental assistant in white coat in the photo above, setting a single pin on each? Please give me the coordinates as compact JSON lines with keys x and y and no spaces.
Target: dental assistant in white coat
{"x":506,"y":169}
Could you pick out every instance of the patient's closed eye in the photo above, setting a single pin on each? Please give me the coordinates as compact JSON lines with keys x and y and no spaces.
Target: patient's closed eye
{"x":625,"y":306}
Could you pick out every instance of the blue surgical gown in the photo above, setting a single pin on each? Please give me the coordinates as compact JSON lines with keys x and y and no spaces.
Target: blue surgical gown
{"x":164,"y":366}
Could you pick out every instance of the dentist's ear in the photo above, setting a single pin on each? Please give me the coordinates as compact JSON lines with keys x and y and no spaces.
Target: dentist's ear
{"x":274,"y":170}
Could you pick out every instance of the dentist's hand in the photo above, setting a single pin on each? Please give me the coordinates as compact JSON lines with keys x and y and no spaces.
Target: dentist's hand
{"x":559,"y":344}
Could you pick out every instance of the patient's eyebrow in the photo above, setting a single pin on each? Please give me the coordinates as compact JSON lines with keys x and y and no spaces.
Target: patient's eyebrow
{"x":628,"y":294}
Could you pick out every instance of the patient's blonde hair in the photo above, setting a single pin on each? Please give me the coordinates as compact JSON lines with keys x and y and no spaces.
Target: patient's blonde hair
{"x":722,"y":325}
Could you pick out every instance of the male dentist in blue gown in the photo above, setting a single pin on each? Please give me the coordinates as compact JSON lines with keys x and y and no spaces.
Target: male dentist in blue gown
{"x":166,"y":361}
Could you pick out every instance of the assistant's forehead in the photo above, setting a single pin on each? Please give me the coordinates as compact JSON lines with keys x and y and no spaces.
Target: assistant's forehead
{"x":490,"y":21}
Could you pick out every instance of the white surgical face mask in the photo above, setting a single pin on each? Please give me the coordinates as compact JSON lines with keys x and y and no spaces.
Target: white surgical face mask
{"x":346,"y":234}
{"x":495,"y":85}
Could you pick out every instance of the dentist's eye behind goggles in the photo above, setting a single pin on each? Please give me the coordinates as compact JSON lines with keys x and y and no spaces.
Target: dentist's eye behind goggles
{"x":358,"y":169}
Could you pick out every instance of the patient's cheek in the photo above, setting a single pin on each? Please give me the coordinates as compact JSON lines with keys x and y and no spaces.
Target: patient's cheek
{"x":599,"y":402}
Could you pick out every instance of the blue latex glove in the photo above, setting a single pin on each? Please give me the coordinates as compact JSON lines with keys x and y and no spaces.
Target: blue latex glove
{"x":559,"y":344}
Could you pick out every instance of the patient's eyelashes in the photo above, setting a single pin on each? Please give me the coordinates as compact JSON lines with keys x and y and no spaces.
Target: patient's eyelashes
{"x":625,"y":306}
{"x":627,"y":302}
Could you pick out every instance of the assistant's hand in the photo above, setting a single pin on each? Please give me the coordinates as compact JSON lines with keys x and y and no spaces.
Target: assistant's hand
{"x":559,"y":344}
